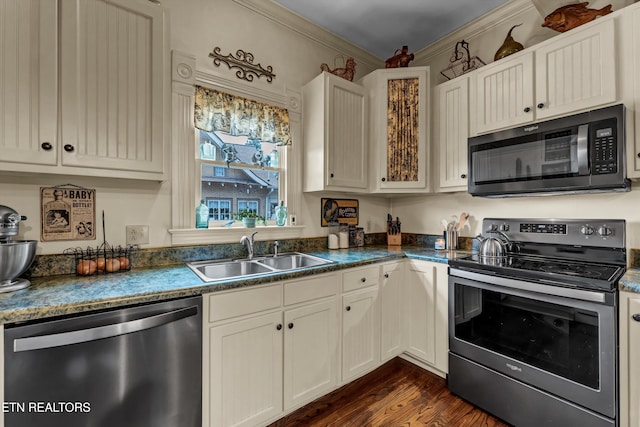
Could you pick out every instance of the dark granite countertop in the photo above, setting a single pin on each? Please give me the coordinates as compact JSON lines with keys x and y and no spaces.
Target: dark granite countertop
{"x":67,"y":294}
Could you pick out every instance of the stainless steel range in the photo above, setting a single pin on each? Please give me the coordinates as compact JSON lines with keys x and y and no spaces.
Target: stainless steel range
{"x":533,"y":333}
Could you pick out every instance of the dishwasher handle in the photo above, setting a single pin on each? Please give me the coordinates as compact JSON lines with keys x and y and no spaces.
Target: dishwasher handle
{"x":93,"y":334}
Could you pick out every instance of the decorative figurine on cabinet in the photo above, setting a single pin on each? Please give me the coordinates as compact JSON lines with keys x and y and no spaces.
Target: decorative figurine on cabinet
{"x":573,"y":15}
{"x":400,"y":58}
{"x":509,"y":46}
{"x":347,"y":73}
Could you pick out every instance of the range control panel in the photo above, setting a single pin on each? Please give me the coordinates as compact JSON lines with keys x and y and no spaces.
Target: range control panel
{"x":581,"y":232}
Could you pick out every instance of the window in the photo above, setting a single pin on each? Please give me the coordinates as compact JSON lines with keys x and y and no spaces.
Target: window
{"x":189,"y":165}
{"x":247,"y":182}
{"x":219,"y":209}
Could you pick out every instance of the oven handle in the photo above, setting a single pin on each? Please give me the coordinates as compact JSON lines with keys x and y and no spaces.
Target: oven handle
{"x":583,"y":150}
{"x":579,"y":294}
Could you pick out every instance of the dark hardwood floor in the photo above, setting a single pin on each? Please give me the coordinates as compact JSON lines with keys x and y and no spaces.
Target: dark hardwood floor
{"x":396,"y":394}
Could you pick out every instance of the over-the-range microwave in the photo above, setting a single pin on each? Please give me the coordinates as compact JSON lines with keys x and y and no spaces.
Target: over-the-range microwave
{"x":580,"y":153}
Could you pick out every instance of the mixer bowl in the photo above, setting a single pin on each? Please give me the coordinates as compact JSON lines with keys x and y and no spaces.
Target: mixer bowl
{"x":16,"y":256}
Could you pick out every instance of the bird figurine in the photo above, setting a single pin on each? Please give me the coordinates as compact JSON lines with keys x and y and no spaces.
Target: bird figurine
{"x":572,"y":15}
{"x":348,"y":72}
{"x":509,"y":46}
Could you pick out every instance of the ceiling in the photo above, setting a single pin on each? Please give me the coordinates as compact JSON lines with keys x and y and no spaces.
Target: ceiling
{"x":381,"y":26}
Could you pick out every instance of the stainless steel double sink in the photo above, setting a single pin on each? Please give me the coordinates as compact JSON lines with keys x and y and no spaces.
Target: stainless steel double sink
{"x":226,"y":269}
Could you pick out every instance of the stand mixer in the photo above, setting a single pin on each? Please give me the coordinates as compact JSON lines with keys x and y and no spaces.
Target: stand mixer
{"x":16,"y":256}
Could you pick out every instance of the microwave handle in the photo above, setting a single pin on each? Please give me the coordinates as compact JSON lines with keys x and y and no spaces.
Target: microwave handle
{"x":583,"y":150}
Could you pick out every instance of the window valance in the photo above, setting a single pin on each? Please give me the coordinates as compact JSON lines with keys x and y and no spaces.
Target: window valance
{"x":219,"y":111}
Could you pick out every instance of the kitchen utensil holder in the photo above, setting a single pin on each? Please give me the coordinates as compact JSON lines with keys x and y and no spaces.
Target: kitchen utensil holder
{"x":451,"y":239}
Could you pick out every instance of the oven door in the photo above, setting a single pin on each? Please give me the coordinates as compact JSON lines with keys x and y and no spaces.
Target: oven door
{"x":559,"y":340}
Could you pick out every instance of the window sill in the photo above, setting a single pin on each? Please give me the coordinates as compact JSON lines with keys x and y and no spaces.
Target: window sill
{"x":201,"y":236}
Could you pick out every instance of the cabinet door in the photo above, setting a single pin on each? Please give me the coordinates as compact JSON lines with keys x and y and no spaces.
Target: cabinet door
{"x":633,"y":355}
{"x":310,"y":352}
{"x":453,"y":132}
{"x":346,"y":134}
{"x":360,"y":333}
{"x":427,"y":320}
{"x":631,"y":36}
{"x":28,"y":81}
{"x":112,"y":84}
{"x":576,"y":72}
{"x":246,"y":371}
{"x":505,"y":93}
{"x":392,"y":310}
{"x":399,"y":103}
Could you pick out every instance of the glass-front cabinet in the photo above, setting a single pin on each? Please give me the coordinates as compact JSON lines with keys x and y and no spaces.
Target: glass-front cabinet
{"x":398,"y":117}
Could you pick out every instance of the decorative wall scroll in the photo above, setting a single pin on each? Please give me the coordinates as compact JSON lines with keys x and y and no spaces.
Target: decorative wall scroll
{"x":338,"y":211}
{"x":68,"y":213}
{"x":244,"y":61}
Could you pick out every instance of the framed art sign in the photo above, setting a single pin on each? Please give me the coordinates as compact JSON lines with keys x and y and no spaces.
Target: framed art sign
{"x":68,"y":213}
{"x":338,"y":211}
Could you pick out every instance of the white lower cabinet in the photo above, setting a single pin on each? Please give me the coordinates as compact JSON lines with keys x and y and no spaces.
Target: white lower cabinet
{"x":268,"y":350}
{"x":310,"y":352}
{"x":426,"y":302}
{"x":271,"y":349}
{"x":392,"y":312}
{"x":360,"y":333}
{"x":245,"y":359}
{"x":629,"y":356}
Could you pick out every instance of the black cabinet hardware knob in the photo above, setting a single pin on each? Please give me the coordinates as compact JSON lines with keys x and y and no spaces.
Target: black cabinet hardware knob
{"x":541,"y":105}
{"x":331,"y":175}
{"x":364,"y":279}
{"x":384,"y":179}
{"x":527,"y":109}
{"x":638,"y":154}
{"x":463,"y":176}
{"x":46,"y":146}
{"x":348,"y":308}
{"x":68,"y":148}
{"x":636,"y":317}
{"x":279,"y":326}
{"x":386,"y":275}
{"x":290,"y":325}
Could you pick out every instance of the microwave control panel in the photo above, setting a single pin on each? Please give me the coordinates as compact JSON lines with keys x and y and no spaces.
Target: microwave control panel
{"x":605,"y":151}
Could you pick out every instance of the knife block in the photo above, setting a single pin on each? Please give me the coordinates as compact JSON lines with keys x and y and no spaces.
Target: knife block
{"x":394,"y":239}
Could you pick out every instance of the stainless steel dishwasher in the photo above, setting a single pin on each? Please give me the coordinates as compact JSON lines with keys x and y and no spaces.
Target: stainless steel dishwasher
{"x":136,"y":366}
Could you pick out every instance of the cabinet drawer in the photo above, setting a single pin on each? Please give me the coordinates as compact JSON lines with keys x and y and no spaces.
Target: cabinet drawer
{"x":360,"y":278}
{"x":239,"y":303}
{"x":310,"y":289}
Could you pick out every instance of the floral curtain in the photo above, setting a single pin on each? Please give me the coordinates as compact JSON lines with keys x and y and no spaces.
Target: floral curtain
{"x":218,"y":111}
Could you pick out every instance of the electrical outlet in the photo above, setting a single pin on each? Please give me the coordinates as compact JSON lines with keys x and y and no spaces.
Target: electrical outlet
{"x":137,"y":234}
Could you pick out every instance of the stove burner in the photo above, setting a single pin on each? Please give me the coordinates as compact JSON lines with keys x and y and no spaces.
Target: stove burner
{"x":574,"y":270}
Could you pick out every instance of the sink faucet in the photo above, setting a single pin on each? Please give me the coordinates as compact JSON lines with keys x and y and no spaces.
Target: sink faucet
{"x":249,"y":242}
{"x":275,"y":248}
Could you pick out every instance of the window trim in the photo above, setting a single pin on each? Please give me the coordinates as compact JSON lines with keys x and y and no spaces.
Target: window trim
{"x":183,"y":152}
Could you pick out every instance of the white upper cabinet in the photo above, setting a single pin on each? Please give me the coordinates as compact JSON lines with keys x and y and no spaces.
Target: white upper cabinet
{"x":335,"y":135}
{"x":577,"y":72}
{"x":399,"y":117}
{"x":629,"y":38}
{"x":112,"y":84}
{"x":569,"y":73}
{"x":452,"y":121}
{"x":28,"y":82}
{"x":103,"y":116}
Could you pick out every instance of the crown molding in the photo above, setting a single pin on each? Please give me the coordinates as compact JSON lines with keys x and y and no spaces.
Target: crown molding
{"x":296,"y":23}
{"x":473,"y":29}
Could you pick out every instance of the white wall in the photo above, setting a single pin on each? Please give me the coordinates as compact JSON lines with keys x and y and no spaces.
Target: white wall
{"x":424,"y":214}
{"x":197,"y":26}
